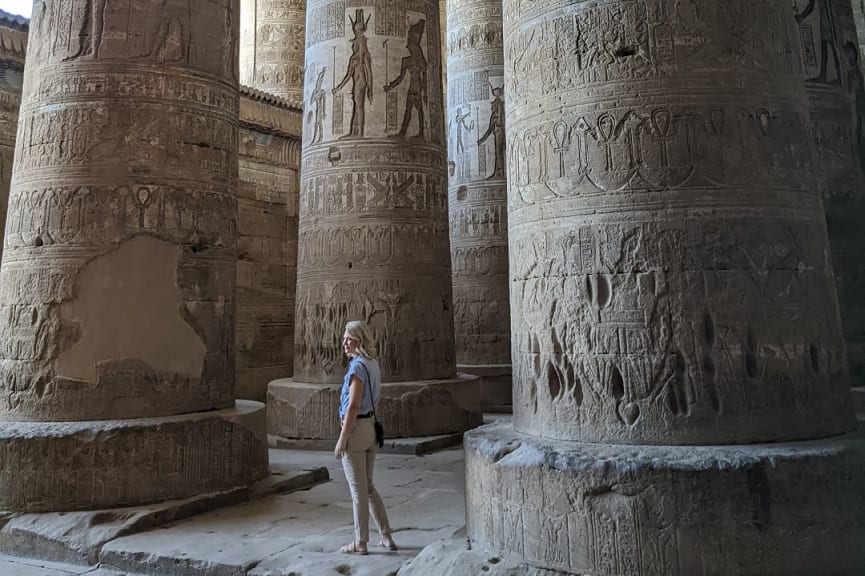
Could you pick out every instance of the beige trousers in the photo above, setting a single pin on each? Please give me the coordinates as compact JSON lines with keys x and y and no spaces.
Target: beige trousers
{"x":358,"y":464}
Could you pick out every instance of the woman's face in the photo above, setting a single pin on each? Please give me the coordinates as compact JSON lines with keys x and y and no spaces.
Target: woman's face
{"x":349,"y":345}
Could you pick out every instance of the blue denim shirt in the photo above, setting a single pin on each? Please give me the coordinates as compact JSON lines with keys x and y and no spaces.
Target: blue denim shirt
{"x":368,"y":372}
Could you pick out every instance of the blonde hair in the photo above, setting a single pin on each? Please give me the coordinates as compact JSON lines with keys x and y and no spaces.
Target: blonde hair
{"x":358,"y":330}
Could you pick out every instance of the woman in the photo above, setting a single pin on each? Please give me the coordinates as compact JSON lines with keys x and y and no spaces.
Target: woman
{"x":357,"y":446}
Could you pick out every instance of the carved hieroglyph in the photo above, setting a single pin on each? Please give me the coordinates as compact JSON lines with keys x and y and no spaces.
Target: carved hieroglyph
{"x":831,"y":64}
{"x":669,"y":272}
{"x":118,"y":276}
{"x":477,"y":183}
{"x":272,"y":46}
{"x":373,"y":241}
{"x":267,"y":203}
{"x":13,"y":45}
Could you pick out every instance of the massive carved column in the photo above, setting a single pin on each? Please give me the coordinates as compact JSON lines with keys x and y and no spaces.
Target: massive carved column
{"x":837,"y":96}
{"x":118,"y":277}
{"x":444,"y":32}
{"x":373,"y":241}
{"x":681,"y":405}
{"x":477,"y":190}
{"x":272,"y":46}
{"x":267,"y":203}
{"x":13,"y":45}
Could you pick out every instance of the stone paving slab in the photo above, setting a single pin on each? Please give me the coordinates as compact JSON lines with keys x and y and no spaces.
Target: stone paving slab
{"x":78,"y":537}
{"x":299,"y":534}
{"x":410,"y":446}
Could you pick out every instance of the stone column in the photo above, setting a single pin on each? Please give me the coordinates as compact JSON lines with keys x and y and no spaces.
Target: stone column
{"x":837,"y":100}
{"x":373,"y":242}
{"x":118,"y":277}
{"x":272,"y":46}
{"x":477,"y":191}
{"x":13,"y":46}
{"x":681,"y":404}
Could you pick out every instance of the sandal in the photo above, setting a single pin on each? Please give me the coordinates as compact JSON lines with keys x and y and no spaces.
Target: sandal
{"x":388,"y":544}
{"x":353,"y":548}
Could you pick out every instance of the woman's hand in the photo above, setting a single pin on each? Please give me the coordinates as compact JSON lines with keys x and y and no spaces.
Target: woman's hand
{"x":341,"y":446}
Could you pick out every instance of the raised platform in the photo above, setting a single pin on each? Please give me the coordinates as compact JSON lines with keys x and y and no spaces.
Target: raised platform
{"x":63,"y":466}
{"x":407,"y":409}
{"x":496,"y":382}
{"x":796,"y":509}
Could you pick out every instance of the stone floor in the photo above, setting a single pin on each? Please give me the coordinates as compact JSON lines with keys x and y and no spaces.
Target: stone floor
{"x":293,"y":534}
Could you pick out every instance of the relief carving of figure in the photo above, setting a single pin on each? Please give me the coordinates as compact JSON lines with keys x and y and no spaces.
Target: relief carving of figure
{"x":828,"y":37}
{"x":416,"y":66}
{"x":159,"y":30}
{"x":359,"y":71}
{"x":318,"y":102}
{"x":497,"y":129}
{"x":89,"y":21}
{"x":462,"y":125}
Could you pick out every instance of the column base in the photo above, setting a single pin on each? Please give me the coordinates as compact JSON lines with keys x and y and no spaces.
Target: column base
{"x":64,"y":466}
{"x":406,"y":409}
{"x":796,"y":509}
{"x":496,"y":392}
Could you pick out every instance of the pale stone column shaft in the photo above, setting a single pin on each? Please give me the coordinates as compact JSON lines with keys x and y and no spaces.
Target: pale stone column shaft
{"x":477,"y":193}
{"x":118,"y":275}
{"x":373,"y":242}
{"x":681,"y":402}
{"x":272,"y":46}
{"x":373,"y":225}
{"x":118,"y":278}
{"x":13,"y":46}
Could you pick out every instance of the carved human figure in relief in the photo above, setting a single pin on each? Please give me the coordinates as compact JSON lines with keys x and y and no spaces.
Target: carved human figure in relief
{"x":359,"y":71}
{"x":828,"y":37}
{"x":318,"y":104}
{"x":415,"y":64}
{"x":462,"y":126}
{"x":496,"y":128}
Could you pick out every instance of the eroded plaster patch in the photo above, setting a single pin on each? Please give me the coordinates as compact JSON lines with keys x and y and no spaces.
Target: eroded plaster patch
{"x":129,"y":309}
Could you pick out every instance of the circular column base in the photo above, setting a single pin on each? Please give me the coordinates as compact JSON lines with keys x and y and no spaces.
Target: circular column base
{"x":63,"y":466}
{"x":496,"y":386}
{"x":796,"y":509}
{"x":406,"y":409}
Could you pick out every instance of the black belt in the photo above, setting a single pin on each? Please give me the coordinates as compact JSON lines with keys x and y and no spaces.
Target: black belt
{"x":367,"y":415}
